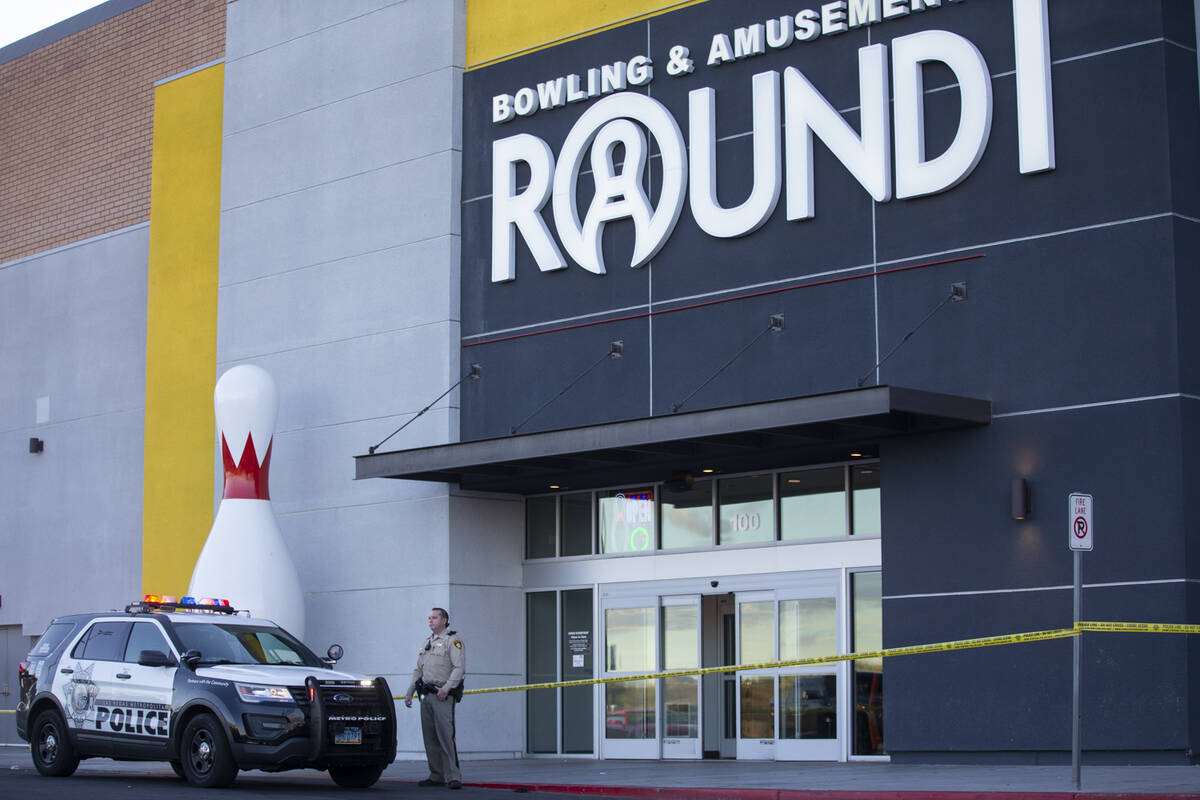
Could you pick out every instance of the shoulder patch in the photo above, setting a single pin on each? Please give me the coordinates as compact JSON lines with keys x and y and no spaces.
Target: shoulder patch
{"x":458,"y":644}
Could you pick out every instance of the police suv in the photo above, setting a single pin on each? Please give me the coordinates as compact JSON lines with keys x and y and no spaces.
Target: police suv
{"x":200,"y":685}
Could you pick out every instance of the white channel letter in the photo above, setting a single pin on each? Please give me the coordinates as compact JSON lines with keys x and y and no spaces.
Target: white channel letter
{"x":1035,"y":106}
{"x":522,"y":211}
{"x":652,"y":229}
{"x":867,"y":157}
{"x":768,"y":168}
{"x":914,"y":175}
{"x":618,"y":194}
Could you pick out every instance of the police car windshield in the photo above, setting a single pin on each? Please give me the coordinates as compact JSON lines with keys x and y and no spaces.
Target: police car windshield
{"x":246,"y":644}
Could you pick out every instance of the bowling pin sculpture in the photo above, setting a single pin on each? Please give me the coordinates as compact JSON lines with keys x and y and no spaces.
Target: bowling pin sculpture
{"x":244,"y":559}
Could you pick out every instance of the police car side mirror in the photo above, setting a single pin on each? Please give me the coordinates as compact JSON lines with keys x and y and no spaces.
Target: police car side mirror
{"x":191,"y":658}
{"x":334,"y":654}
{"x":155,"y":658}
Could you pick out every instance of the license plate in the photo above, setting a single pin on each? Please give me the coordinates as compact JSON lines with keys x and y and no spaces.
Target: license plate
{"x":348,"y":735}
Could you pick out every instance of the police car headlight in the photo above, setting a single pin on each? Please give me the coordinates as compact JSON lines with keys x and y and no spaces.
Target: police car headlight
{"x":257,"y":693}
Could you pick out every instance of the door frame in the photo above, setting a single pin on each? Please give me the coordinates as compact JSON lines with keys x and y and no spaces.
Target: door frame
{"x":760,"y":748}
{"x":650,"y":747}
{"x":675,"y":747}
{"x":818,"y":586}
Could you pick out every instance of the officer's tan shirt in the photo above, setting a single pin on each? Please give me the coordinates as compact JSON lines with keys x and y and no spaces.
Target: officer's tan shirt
{"x":441,"y":661}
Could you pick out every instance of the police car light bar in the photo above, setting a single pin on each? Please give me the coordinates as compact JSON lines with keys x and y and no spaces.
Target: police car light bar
{"x":207,"y":605}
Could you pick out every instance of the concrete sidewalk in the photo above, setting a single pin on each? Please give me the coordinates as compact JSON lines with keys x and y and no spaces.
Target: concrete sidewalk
{"x":767,"y":780}
{"x":733,"y":780}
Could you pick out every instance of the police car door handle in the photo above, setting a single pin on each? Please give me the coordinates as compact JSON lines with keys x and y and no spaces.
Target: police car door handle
{"x":67,"y":671}
{"x":124,"y":676}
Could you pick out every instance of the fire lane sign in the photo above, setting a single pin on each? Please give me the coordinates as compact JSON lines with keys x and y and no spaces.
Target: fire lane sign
{"x":1080,"y":518}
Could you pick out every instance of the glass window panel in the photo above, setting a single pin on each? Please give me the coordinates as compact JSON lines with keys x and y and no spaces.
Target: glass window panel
{"x":106,"y":642}
{"x":541,"y":657}
{"x":758,"y":707}
{"x":52,"y":638}
{"x":812,"y":504}
{"x":681,"y":637}
{"x":576,"y":665}
{"x":687,"y":515}
{"x":629,"y":637}
{"x":629,"y":709}
{"x":864,"y":483}
{"x":809,"y":707}
{"x":757,"y":632}
{"x":539,"y":527}
{"x":747,"y":509}
{"x":145,"y":636}
{"x":626,"y":520}
{"x":866,"y":590}
{"x":807,"y":628}
{"x":682,"y":707}
{"x":577,"y":524}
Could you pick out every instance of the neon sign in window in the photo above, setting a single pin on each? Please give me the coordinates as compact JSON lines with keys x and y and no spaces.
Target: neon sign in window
{"x":626,"y":521}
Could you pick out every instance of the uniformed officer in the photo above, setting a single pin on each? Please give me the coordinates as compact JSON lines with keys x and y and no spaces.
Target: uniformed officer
{"x":441,"y":663}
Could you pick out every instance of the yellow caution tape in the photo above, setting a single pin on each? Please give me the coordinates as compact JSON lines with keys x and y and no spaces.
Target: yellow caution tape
{"x":1136,"y":627}
{"x":938,"y":647}
{"x":961,"y":644}
{"x":8,"y":711}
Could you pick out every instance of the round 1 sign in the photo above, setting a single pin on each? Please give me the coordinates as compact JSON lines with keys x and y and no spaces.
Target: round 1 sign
{"x":1080,"y":516}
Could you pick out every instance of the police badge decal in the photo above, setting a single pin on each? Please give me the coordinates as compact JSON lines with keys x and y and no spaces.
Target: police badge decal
{"x":80,"y":693}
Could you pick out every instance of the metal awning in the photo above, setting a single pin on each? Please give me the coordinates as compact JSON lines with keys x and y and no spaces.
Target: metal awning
{"x":770,"y":435}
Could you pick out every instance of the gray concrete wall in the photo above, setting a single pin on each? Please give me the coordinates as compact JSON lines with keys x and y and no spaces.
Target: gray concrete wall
{"x":72,"y":333}
{"x":339,"y":273}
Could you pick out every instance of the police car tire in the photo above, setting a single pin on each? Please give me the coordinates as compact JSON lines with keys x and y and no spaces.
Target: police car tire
{"x":177,"y":766}
{"x":355,"y":777}
{"x":204,"y":754}
{"x":53,"y":754}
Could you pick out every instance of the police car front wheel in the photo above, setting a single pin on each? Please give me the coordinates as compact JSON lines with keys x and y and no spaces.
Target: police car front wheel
{"x":205,"y":755}
{"x":355,"y":777}
{"x":53,"y":753}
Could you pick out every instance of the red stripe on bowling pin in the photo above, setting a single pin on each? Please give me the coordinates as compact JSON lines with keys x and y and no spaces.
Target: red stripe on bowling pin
{"x":246,"y":480}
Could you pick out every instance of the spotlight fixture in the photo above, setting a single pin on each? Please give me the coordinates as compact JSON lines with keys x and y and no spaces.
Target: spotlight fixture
{"x":1019,"y":498}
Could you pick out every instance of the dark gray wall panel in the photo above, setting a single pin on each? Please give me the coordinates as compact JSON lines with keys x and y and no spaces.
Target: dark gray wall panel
{"x":826,"y":344}
{"x":506,"y":394}
{"x":1049,"y":322}
{"x":1187,"y":299}
{"x":1018,"y":697}
{"x":946,"y":517}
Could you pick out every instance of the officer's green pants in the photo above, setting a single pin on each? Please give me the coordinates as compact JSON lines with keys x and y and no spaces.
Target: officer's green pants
{"x":437,"y":726}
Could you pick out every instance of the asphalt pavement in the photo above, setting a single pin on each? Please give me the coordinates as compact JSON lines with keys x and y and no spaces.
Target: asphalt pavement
{"x":684,"y":780}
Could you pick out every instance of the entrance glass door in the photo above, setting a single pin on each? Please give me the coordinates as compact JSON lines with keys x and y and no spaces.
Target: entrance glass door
{"x":631,"y":707}
{"x":756,"y":688}
{"x":681,"y":713}
{"x":808,"y":696}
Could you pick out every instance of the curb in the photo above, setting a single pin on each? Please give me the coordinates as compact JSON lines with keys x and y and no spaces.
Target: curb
{"x":707,"y":793}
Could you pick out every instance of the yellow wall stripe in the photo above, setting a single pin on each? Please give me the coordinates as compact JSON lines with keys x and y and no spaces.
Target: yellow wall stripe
{"x":181,"y":327}
{"x":498,"y":30}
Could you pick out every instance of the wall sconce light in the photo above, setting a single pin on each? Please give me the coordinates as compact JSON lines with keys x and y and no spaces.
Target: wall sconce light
{"x":36,"y":445}
{"x":1020,"y":499}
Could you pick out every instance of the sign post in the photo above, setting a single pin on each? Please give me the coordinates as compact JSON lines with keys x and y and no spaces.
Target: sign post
{"x":1079,"y":539}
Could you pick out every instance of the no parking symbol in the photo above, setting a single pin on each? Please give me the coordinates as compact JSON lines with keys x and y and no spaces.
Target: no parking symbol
{"x":1080,"y":515}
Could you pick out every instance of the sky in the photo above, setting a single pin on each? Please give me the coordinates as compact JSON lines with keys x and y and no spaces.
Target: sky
{"x":19,"y":18}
